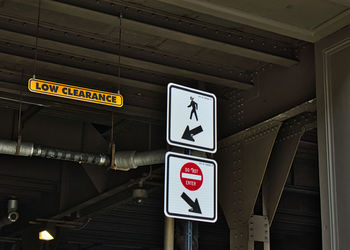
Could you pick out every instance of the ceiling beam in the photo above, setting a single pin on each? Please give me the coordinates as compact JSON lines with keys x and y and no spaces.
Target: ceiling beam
{"x":211,"y":44}
{"x":332,"y":25}
{"x":108,"y":44}
{"x":153,"y":30}
{"x":19,"y":93}
{"x":265,"y":23}
{"x":110,"y":80}
{"x":109,"y":58}
{"x":239,"y":16}
{"x":99,"y":198}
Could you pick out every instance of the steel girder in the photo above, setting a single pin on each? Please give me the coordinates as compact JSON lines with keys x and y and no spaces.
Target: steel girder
{"x":262,"y":153}
{"x":243,"y":159}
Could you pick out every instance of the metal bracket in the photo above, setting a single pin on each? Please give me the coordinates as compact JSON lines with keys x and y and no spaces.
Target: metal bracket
{"x":113,"y":165}
{"x":259,"y":230}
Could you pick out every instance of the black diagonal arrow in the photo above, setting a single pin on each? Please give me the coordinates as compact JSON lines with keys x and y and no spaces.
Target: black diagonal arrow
{"x":188,"y":134}
{"x":195,"y":208}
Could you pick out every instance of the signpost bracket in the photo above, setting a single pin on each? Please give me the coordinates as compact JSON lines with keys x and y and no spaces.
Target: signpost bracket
{"x":259,"y":230}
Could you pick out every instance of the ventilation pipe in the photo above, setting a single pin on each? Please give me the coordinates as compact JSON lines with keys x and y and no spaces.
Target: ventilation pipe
{"x":124,"y":160}
{"x":12,"y":214}
{"x":133,"y":159}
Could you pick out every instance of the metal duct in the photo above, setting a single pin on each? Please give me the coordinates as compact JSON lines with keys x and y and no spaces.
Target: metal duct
{"x":123,"y":160}
{"x":133,"y":159}
{"x":58,"y":154}
{"x":10,"y":148}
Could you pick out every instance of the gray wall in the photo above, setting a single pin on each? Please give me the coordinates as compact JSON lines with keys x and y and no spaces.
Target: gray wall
{"x":333,"y":99}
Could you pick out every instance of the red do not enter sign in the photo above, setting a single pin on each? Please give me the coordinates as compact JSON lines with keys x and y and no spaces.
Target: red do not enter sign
{"x":191,"y":176}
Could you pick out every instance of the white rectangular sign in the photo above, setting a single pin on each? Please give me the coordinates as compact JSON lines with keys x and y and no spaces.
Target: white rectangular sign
{"x":191,"y":118}
{"x":190,"y":190}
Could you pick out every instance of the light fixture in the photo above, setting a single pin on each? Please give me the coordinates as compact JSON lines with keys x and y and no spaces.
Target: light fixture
{"x":48,"y":233}
{"x":139,"y":195}
{"x":45,"y":235}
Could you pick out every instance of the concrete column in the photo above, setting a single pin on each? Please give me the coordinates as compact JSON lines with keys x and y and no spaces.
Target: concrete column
{"x":333,"y":125}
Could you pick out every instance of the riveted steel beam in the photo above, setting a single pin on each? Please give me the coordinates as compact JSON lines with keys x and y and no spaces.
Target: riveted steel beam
{"x":14,"y":62}
{"x":171,"y":34}
{"x":108,"y":58}
{"x":93,"y":141}
{"x":111,"y":198}
{"x":282,"y":158}
{"x":236,"y":15}
{"x":75,"y":36}
{"x":14,"y":92}
{"x":244,"y":158}
{"x":233,"y":33}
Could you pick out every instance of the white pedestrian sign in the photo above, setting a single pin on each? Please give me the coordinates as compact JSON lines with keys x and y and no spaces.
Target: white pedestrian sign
{"x":190,"y":187}
{"x":191,"y":118}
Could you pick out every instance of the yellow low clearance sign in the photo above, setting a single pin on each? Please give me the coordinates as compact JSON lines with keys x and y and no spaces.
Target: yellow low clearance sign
{"x":75,"y":93}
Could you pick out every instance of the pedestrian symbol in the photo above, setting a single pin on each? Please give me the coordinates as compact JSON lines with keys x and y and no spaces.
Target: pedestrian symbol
{"x":194,"y":106}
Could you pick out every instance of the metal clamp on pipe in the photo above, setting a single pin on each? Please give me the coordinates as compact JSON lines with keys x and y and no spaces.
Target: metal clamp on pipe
{"x":10,"y":148}
{"x":124,"y":160}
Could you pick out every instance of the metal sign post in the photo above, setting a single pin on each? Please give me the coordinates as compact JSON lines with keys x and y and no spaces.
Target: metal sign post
{"x":188,"y":235}
{"x":188,"y":223}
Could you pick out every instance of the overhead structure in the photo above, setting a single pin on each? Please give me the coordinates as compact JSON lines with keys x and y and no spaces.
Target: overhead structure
{"x":256,"y":57}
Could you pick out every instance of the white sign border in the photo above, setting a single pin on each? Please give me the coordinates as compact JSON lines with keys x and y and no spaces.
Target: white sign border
{"x":168,"y":127}
{"x":166,"y":188}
